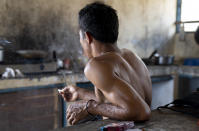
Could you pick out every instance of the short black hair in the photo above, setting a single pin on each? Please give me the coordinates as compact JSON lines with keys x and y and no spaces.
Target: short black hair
{"x":101,"y":21}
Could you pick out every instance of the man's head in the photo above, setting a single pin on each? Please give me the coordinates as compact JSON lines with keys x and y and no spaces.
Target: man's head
{"x":99,"y":22}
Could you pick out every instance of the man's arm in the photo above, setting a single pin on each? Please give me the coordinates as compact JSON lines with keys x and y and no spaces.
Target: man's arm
{"x":72,"y":93}
{"x":136,"y":110}
{"x":108,"y":110}
{"x":85,"y":94}
{"x":126,"y":103}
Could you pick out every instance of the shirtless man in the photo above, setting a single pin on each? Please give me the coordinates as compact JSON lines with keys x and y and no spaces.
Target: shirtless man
{"x":122,"y":82}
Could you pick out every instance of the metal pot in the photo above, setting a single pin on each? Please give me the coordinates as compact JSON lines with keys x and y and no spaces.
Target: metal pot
{"x":164,"y":60}
{"x":1,"y":54}
{"x":157,"y":59}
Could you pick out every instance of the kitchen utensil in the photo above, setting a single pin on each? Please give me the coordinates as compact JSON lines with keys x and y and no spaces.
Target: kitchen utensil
{"x":4,"y":42}
{"x":32,"y":54}
{"x":150,"y":61}
{"x":164,"y":60}
{"x":1,"y":54}
{"x":152,"y":54}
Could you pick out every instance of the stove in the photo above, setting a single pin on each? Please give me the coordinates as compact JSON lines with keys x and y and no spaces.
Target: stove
{"x":31,"y":68}
{"x":28,"y":66}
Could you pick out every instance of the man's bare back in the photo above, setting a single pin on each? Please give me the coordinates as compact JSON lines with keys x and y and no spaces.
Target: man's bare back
{"x":128,"y":67}
{"x":120,"y":78}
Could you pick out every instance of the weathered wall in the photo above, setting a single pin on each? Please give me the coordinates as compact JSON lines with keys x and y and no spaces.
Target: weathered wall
{"x":146,"y":25}
{"x":52,"y":25}
{"x":185,"y":46}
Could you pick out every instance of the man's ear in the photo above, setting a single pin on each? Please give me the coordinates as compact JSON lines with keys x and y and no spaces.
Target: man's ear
{"x":89,"y":38}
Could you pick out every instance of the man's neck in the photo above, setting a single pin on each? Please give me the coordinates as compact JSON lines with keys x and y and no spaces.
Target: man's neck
{"x":101,"y":48}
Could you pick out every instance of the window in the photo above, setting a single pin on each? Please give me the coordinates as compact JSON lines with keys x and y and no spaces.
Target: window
{"x":187,"y":15}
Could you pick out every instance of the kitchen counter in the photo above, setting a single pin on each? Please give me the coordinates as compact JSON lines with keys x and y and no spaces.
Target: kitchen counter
{"x":164,"y":120}
{"x":7,"y":85}
{"x":54,"y":80}
{"x":172,"y":70}
{"x":79,"y":77}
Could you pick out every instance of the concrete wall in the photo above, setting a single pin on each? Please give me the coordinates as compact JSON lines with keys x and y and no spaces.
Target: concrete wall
{"x":185,"y":46}
{"x":52,"y":25}
{"x":146,"y":25}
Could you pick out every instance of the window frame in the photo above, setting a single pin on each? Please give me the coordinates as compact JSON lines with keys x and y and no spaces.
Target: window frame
{"x":178,"y":18}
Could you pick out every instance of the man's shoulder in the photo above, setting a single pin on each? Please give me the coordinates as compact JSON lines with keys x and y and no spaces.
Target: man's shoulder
{"x":130,"y":55}
{"x":127,"y":52}
{"x":96,"y":64}
{"x":99,"y":72}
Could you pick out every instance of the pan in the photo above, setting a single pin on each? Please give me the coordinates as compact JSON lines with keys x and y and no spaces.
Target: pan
{"x":150,"y":60}
{"x":32,"y":54}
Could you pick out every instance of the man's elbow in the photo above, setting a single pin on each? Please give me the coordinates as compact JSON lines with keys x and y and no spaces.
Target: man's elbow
{"x":145,"y":115}
{"x":141,"y":115}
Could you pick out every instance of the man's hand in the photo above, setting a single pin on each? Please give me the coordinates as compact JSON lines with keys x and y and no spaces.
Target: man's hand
{"x":69,"y":93}
{"x":76,"y":112}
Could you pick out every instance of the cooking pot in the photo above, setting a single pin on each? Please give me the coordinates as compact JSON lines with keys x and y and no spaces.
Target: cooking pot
{"x":157,"y":59}
{"x":1,"y":54}
{"x":3,"y":43}
{"x":164,"y":60}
